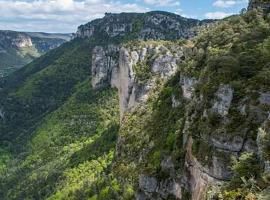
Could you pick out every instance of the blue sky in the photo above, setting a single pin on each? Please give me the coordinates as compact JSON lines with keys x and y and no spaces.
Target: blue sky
{"x":65,"y":15}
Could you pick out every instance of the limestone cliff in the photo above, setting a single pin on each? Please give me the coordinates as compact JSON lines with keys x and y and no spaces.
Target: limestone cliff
{"x":22,"y":41}
{"x":213,"y":128}
{"x":151,"y":25}
{"x":134,"y":69}
{"x":16,"y":40}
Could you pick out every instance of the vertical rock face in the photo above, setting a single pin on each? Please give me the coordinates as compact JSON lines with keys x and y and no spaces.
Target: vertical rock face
{"x":105,"y":65}
{"x":148,"y":184}
{"x":165,"y":189}
{"x":198,"y":179}
{"x":135,"y":69}
{"x":124,"y":69}
{"x":224,"y":97}
{"x":187,"y":84}
{"x":126,"y":81}
{"x":99,"y":67}
{"x":158,"y":62}
{"x":263,"y":140}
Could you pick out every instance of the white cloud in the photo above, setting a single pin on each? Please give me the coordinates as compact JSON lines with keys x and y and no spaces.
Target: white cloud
{"x":57,"y":15}
{"x":217,"y":15}
{"x":180,"y":12}
{"x":167,"y":3}
{"x":224,"y":3}
{"x":228,"y":3}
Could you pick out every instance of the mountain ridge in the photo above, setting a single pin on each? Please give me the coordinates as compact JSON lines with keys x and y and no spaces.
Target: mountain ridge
{"x":19,"y":48}
{"x":149,"y":25}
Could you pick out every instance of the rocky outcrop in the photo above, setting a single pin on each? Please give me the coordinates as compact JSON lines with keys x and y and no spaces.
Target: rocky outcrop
{"x":105,"y":63}
{"x":159,"y":60}
{"x":151,"y":25}
{"x":187,"y":84}
{"x":148,"y":184}
{"x":151,"y":188}
{"x":198,"y":180}
{"x":21,"y":41}
{"x":123,"y":67}
{"x":263,"y":140}
{"x":224,"y":97}
{"x":175,"y":101}
{"x":226,"y":143}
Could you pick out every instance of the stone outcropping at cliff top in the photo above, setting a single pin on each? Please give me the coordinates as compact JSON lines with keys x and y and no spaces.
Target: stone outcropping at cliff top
{"x":22,"y":41}
{"x":16,"y":40}
{"x":151,"y":25}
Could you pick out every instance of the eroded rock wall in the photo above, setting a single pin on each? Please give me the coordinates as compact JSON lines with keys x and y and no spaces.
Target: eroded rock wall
{"x":105,"y":65}
{"x":120,"y":67}
{"x":210,"y":138}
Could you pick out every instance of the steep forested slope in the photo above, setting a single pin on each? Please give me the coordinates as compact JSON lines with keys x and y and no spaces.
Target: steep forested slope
{"x":70,"y":150}
{"x":57,"y":115}
{"x":189,"y":120}
{"x":41,"y":87}
{"x":19,"y":48}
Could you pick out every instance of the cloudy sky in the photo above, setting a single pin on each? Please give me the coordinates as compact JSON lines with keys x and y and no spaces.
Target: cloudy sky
{"x":65,"y":15}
